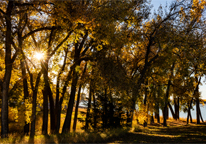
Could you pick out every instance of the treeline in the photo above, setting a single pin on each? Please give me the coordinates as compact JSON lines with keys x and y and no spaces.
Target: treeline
{"x":119,"y":51}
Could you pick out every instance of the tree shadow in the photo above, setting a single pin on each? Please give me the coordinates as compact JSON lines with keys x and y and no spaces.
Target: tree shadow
{"x":49,"y":139}
{"x":31,"y":140}
{"x":19,"y":139}
{"x":155,"y":134}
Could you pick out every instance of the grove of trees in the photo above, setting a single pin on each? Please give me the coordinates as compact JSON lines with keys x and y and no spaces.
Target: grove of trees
{"x":121,"y":52}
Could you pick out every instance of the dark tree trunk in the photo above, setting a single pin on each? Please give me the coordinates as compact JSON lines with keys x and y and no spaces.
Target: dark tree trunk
{"x":95,"y":112}
{"x":128,"y":118}
{"x":58,"y":117}
{"x":196,"y":95}
{"x":26,"y":93}
{"x":88,"y":108}
{"x":45,"y":112}
{"x":157,"y":116}
{"x":67,"y":122}
{"x":78,"y":48}
{"x":34,"y":103}
{"x":33,"y":114}
{"x":201,"y":115}
{"x":152,"y":119}
{"x":167,"y":96}
{"x":173,"y":114}
{"x":190,"y":118}
{"x":57,"y":103}
{"x":47,"y":92}
{"x":167,"y":116}
{"x":133,"y":105}
{"x":24,"y":77}
{"x":7,"y":75}
{"x":177,"y":103}
{"x":111,"y":114}
{"x":45,"y":97}
{"x":145,"y":98}
{"x":105,"y":110}
{"x":57,"y":111}
{"x":76,"y":109}
{"x":52,"y":112}
{"x":197,"y":110}
{"x":189,"y":113}
{"x":78,"y":98}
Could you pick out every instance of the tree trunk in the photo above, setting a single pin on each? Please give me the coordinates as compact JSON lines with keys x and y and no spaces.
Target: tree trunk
{"x":26,"y":94}
{"x":157,"y":116}
{"x":76,"y":109}
{"x":177,"y":103}
{"x":105,"y":110}
{"x":78,"y":98}
{"x":173,"y":114}
{"x":145,"y":98}
{"x":133,"y":105}
{"x":95,"y":112}
{"x":167,"y":96}
{"x":88,"y":107}
{"x":45,"y":97}
{"x":111,"y":110}
{"x":67,"y":122}
{"x":152,"y":119}
{"x":34,"y":105}
{"x":52,"y":111}
{"x":165,"y":116}
{"x":190,"y":118}
{"x":197,"y":110}
{"x":189,"y":113}
{"x":201,"y":115}
{"x":57,"y":102}
{"x":7,"y":75}
{"x":196,"y":94}
{"x":45,"y":112}
{"x":25,"y":83}
{"x":33,"y":114}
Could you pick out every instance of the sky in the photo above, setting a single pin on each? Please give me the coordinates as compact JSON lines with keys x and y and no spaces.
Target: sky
{"x":156,"y":4}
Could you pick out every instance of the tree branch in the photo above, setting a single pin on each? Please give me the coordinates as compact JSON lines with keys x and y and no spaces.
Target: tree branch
{"x":2,"y":12}
{"x":37,"y":30}
{"x":52,"y":53}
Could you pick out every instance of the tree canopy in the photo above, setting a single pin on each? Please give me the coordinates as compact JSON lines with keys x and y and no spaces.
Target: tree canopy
{"x":119,"y":51}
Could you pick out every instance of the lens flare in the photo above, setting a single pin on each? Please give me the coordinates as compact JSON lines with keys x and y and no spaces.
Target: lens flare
{"x":39,"y":55}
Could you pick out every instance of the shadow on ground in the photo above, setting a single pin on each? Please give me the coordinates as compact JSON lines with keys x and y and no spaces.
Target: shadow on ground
{"x":159,"y":134}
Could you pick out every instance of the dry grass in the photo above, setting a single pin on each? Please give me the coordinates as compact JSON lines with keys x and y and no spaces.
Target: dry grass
{"x":176,"y":131}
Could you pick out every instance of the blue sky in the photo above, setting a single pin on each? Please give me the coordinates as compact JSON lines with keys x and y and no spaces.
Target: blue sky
{"x":156,"y":4}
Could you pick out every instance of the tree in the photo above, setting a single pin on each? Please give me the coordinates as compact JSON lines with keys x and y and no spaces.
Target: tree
{"x":9,"y":59}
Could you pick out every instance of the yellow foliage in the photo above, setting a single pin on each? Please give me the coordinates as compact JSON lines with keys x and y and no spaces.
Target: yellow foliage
{"x":13,"y":114}
{"x":141,"y":115}
{"x":99,"y":47}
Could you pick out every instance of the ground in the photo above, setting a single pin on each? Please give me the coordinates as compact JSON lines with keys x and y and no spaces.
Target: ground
{"x":176,"y":132}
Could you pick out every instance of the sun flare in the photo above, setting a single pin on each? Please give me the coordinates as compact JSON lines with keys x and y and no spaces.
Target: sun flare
{"x":39,"y":55}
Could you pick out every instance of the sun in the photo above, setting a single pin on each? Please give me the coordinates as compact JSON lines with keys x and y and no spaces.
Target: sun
{"x":39,"y":55}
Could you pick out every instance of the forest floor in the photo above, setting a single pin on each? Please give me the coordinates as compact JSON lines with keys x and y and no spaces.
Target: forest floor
{"x":176,"y":132}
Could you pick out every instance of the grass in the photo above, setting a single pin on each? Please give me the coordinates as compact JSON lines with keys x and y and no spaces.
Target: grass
{"x":177,"y":131}
{"x":77,"y":137}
